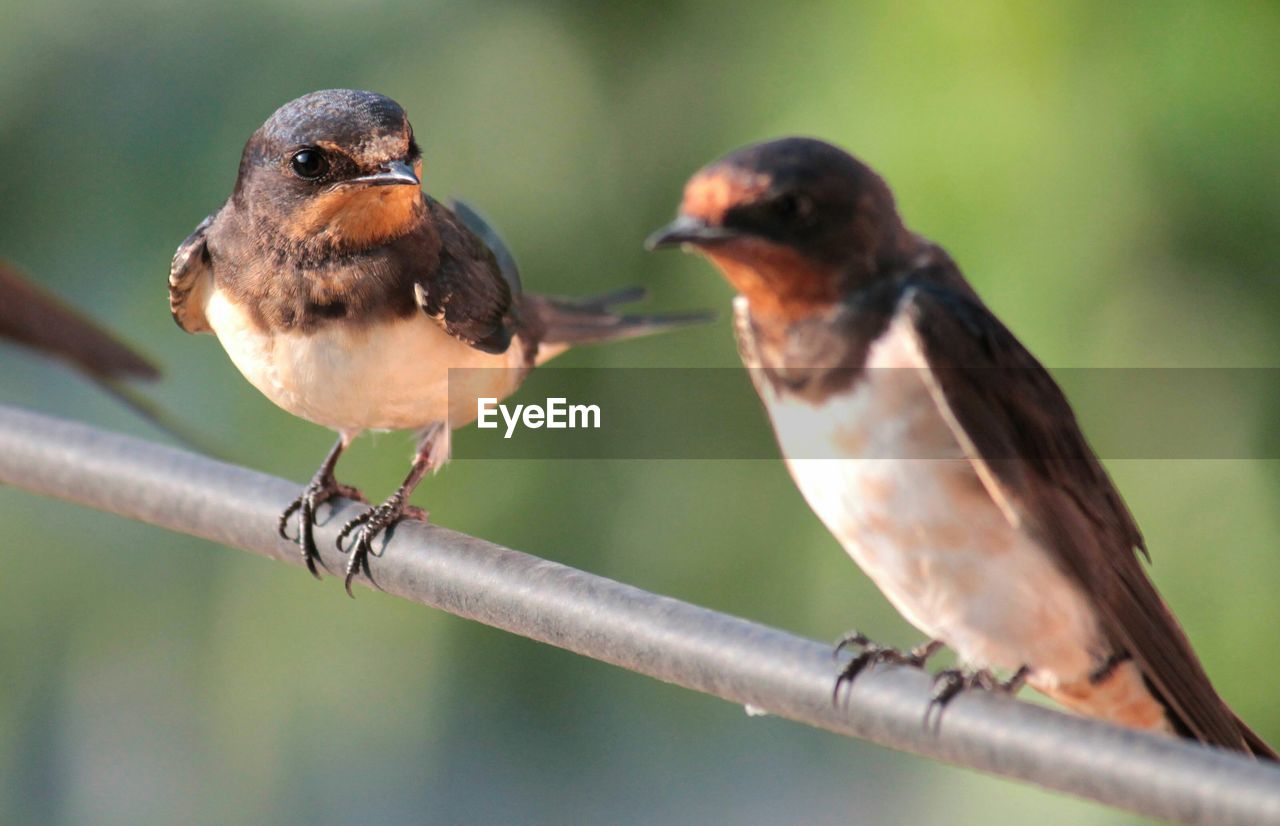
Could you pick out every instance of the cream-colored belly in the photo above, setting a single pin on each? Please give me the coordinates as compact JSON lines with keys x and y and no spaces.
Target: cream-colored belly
{"x":881,"y":468}
{"x":388,"y":376}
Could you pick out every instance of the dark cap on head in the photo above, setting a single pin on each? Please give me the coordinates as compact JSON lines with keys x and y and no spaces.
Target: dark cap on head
{"x":792,"y":163}
{"x":345,"y":117}
{"x":792,"y":222}
{"x":337,"y":167}
{"x":796,"y":192}
{"x":350,"y":135}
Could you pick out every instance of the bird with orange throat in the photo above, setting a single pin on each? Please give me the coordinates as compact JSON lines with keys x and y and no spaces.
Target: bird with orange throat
{"x":345,"y":294}
{"x":938,"y":451}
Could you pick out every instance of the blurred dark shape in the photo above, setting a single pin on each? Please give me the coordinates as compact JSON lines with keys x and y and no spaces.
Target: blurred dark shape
{"x":39,"y":320}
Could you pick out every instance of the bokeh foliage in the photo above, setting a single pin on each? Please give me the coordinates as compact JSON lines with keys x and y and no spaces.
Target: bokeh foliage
{"x":1105,"y":173}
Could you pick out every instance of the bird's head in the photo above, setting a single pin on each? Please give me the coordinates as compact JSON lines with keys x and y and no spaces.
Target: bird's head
{"x":792,"y":224}
{"x":338,"y":166}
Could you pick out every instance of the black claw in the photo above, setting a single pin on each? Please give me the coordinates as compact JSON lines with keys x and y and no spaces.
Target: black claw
{"x":358,"y":562}
{"x":319,"y":491}
{"x":353,"y":567}
{"x":952,"y":682}
{"x":361,"y":548}
{"x":371,"y":523}
{"x":850,"y":673}
{"x":376,"y":520}
{"x":305,"y":506}
{"x":283,"y":524}
{"x":946,"y":685}
{"x":874,"y":654}
{"x":306,"y":535}
{"x":852,"y":638}
{"x":351,"y":525}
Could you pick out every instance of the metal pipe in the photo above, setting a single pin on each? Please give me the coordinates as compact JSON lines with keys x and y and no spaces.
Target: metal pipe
{"x":740,"y":661}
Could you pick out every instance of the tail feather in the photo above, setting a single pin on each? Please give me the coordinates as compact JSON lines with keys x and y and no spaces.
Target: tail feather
{"x":1244,"y":739}
{"x":570,"y":321}
{"x":555,"y":323}
{"x":1258,"y":746}
{"x":1241,"y":738}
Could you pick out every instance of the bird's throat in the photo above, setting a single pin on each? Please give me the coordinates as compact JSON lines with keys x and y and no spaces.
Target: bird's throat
{"x":778,"y":282}
{"x":359,"y":218}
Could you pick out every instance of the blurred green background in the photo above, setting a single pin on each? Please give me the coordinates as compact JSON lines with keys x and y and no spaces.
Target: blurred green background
{"x":1105,"y":173}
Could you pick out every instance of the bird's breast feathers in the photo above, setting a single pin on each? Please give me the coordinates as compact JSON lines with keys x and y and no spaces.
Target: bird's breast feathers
{"x":391,"y":374}
{"x":881,"y":467}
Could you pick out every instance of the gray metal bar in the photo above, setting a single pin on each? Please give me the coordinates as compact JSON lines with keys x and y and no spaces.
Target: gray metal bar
{"x":676,"y":642}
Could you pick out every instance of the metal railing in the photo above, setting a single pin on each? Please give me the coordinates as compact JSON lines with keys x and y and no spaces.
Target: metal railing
{"x":731,"y":658}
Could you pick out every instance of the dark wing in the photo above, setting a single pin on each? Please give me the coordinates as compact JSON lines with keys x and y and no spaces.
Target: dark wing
{"x":477,"y":224}
{"x":466,"y":293}
{"x":35,"y":318}
{"x":190,"y":278}
{"x":1019,"y":431}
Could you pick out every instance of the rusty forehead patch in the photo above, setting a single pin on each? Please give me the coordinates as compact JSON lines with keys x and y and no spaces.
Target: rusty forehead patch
{"x":371,"y":148}
{"x":711,"y":193}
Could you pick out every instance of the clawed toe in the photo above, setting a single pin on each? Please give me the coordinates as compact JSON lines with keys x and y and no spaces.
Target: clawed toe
{"x":364,"y":529}
{"x":319,"y":491}
{"x":361,"y":547}
{"x":873,"y":654}
{"x":952,"y":682}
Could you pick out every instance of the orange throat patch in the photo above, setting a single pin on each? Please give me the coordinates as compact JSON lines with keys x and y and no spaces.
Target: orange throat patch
{"x":359,"y":217}
{"x":777,"y":282}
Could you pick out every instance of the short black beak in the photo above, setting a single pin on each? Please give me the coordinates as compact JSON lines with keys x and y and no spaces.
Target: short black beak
{"x":395,"y":173}
{"x":687,"y":230}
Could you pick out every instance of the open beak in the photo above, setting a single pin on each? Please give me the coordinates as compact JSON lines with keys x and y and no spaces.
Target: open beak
{"x":687,"y":229}
{"x":395,"y":173}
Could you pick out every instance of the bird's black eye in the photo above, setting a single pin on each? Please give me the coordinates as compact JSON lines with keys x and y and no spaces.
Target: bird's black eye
{"x":309,"y":164}
{"x":791,"y":207}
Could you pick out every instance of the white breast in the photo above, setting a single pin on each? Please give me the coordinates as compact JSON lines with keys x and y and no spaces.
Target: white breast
{"x":389,"y":376}
{"x":882,"y":469}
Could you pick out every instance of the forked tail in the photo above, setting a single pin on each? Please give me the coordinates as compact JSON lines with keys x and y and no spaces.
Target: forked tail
{"x":566,"y":322}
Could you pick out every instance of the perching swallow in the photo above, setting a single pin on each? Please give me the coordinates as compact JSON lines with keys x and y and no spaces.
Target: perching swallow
{"x":345,"y":294}
{"x":938,"y":451}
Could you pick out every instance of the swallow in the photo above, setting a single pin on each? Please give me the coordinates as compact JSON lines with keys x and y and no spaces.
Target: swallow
{"x":936,"y":449}
{"x":345,"y":295}
{"x":32,"y":317}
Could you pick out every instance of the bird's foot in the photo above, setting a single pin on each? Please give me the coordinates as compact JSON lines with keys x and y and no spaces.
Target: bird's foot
{"x":873,"y":653}
{"x":952,"y":682}
{"x":366,"y":527}
{"x":321,"y":489}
